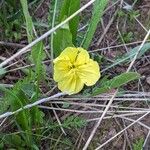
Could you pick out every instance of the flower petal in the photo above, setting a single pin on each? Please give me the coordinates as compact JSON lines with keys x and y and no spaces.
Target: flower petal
{"x":70,"y":53}
{"x":61,"y":69}
{"x":71,"y":84}
{"x":82,"y":58}
{"x":89,"y":73}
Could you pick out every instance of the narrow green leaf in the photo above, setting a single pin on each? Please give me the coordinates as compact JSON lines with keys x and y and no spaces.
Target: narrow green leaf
{"x":38,"y":55}
{"x":132,"y":53}
{"x":98,"y":10}
{"x":62,"y":39}
{"x":17,"y":100}
{"x":67,"y":9}
{"x":129,"y":56}
{"x":138,"y":145}
{"x":29,"y":23}
{"x":116,"y":82}
{"x":2,"y":71}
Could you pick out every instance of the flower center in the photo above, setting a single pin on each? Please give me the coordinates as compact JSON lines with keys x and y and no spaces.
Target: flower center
{"x":72,"y":66}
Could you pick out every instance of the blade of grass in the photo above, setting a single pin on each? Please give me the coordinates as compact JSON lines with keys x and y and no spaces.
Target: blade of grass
{"x":128,"y":56}
{"x":68,"y":8}
{"x":52,"y":36}
{"x":28,"y":19}
{"x":98,"y":10}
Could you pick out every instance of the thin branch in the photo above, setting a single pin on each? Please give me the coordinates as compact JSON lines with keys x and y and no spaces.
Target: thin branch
{"x":52,"y":35}
{"x":58,"y":120}
{"x":7,"y":114}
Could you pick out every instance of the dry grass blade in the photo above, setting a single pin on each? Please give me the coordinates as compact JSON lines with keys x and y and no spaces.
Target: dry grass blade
{"x":7,"y":114}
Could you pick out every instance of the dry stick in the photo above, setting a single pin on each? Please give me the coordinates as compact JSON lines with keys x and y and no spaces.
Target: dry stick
{"x":88,"y":111}
{"x":58,"y":120}
{"x":45,"y":35}
{"x":52,"y":35}
{"x":97,"y":105}
{"x":122,"y":131}
{"x":23,"y":67}
{"x":123,"y":116}
{"x":116,"y":116}
{"x":3,"y":121}
{"x":2,"y":58}
{"x":132,"y":120}
{"x":126,"y":139}
{"x":140,"y":24}
{"x":146,"y":140}
{"x":12,"y":44}
{"x":111,"y":100}
{"x":6,"y":85}
{"x":91,"y":51}
{"x":126,"y":135}
{"x":116,"y":46}
{"x":104,"y":99}
{"x":7,"y":114}
{"x":62,"y":22}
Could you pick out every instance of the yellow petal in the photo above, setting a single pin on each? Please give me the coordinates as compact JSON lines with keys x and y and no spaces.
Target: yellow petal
{"x":82,"y":58}
{"x":70,"y":53}
{"x":71,"y":84}
{"x":89,"y":73}
{"x":61,"y":69}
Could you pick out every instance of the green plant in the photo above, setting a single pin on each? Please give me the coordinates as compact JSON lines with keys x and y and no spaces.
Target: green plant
{"x":128,"y":37}
{"x":10,"y":20}
{"x":66,"y":35}
{"x":138,"y":145}
{"x":116,"y":82}
{"x":98,"y":10}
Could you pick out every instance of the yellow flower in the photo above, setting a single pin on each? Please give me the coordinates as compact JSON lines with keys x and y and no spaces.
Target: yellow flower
{"x":73,"y":68}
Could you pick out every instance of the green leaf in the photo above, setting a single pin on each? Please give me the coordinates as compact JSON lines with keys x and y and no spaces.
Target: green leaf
{"x":129,"y":56}
{"x":1,"y":145}
{"x":2,"y":71}
{"x":28,"y":89}
{"x":29,"y":23}
{"x":116,"y":82}
{"x":38,"y":55}
{"x":20,"y":96}
{"x":16,"y":99}
{"x":132,"y":53}
{"x":67,"y":9}
{"x":62,"y":39}
{"x":38,"y":52}
{"x":4,"y":105}
{"x":97,"y":13}
{"x":65,"y":105}
{"x":16,"y":140}
{"x":138,"y":145}
{"x":74,"y":122}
